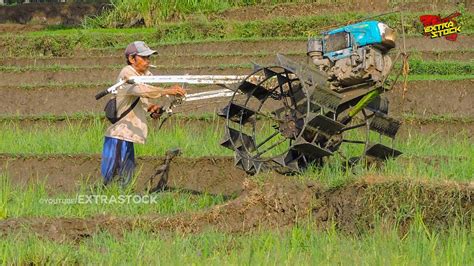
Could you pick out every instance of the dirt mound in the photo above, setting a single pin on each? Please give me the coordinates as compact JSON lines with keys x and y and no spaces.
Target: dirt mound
{"x":279,"y":203}
{"x":283,"y":202}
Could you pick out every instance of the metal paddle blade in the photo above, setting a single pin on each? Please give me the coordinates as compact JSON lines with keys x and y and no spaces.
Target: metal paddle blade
{"x":385,"y":125}
{"x":325,"y":124}
{"x":382,"y":152}
{"x":325,"y":98}
{"x":309,"y":149}
{"x":289,"y":160}
{"x":249,"y":88}
{"x":246,"y":164}
{"x":237,"y":113}
{"x":236,"y":140}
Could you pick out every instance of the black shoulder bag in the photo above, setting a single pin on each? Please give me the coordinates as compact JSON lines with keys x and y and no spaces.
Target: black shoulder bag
{"x":111,"y":110}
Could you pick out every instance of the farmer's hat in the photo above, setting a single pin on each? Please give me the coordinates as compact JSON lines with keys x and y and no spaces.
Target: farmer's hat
{"x":139,"y":48}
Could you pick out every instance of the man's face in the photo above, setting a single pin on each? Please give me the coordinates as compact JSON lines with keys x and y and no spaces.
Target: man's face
{"x":140,"y":63}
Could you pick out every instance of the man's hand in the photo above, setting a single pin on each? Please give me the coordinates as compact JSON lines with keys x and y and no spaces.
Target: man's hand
{"x":155,"y":111}
{"x":176,"y":90}
{"x":128,"y":80}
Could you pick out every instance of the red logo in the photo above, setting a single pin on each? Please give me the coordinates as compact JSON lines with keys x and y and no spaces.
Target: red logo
{"x":436,"y":27}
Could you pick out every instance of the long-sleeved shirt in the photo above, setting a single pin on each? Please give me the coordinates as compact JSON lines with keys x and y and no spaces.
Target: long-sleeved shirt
{"x":133,"y":127}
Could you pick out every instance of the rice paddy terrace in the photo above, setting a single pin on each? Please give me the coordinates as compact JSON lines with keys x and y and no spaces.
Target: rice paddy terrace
{"x":51,"y":134}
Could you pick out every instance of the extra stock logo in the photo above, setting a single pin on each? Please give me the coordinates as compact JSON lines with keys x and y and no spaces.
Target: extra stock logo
{"x":436,"y":27}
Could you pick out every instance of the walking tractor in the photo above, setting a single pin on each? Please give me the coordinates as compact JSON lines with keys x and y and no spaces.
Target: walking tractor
{"x":292,"y":114}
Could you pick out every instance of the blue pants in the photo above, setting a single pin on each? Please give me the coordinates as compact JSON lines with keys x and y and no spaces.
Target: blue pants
{"x":118,"y":157}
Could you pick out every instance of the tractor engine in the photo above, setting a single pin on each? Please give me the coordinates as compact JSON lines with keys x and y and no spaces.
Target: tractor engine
{"x":354,"y":55}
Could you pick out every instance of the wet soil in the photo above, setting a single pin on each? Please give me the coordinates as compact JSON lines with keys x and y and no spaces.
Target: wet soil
{"x":423,"y":99}
{"x":279,"y":204}
{"x":105,"y":74}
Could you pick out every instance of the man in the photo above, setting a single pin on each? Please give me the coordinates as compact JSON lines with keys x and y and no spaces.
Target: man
{"x":118,"y":156}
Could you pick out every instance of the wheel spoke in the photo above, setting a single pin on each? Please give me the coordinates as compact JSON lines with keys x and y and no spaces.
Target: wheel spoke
{"x":267,"y":139}
{"x":271,"y":147}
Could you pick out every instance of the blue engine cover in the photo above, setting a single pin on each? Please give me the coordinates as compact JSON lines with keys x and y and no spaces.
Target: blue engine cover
{"x":363,"y":33}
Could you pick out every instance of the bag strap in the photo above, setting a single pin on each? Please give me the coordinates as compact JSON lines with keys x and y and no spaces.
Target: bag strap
{"x":129,"y":109}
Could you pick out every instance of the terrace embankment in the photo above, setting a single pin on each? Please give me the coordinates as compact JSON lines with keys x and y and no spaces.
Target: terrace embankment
{"x":281,"y":203}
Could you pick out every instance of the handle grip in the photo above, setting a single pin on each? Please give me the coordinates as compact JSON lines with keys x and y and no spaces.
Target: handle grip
{"x":101,"y":94}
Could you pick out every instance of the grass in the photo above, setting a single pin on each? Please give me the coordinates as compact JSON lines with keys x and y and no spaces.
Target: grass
{"x":417,"y":67}
{"x":35,"y":201}
{"x":152,"y":13}
{"x":300,"y":245}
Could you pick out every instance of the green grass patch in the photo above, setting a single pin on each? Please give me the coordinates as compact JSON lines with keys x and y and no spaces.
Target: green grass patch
{"x":300,"y":245}
{"x":417,"y":68}
{"x":35,"y":201}
{"x":450,"y":77}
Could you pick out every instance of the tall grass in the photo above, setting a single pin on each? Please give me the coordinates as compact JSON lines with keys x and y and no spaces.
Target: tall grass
{"x":126,"y":13}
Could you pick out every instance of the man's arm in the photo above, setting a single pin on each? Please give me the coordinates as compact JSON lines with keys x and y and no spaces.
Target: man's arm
{"x":149,"y":91}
